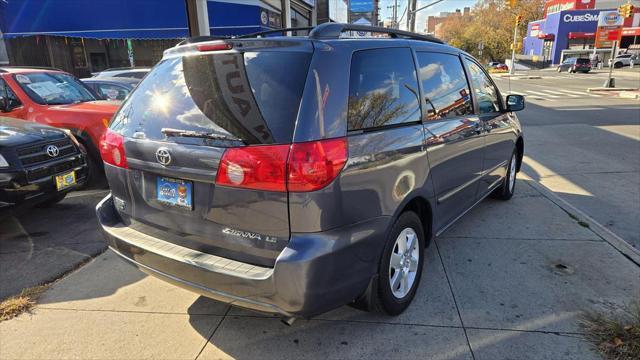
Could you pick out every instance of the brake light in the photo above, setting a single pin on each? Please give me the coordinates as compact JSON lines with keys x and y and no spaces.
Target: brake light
{"x":301,"y":167}
{"x":313,"y":165}
{"x":254,"y":167}
{"x":214,"y":47}
{"x":112,"y":149}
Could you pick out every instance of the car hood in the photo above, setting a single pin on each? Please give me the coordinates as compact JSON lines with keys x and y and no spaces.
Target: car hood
{"x":14,"y":132}
{"x":100,"y":107}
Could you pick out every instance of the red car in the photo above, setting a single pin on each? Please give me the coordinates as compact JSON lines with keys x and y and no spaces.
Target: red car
{"x":56,"y":98}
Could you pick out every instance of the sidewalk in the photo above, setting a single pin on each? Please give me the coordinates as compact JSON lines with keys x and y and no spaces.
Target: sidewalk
{"x":509,"y":280}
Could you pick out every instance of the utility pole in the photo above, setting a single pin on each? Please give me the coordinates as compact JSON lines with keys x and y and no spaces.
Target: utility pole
{"x":411,"y":16}
{"x":394,"y":14}
{"x":512,"y":68}
{"x":411,"y":13}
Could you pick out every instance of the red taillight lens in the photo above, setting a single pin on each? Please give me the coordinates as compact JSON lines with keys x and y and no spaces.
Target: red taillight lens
{"x":112,"y":149}
{"x":254,"y":167}
{"x":313,"y":165}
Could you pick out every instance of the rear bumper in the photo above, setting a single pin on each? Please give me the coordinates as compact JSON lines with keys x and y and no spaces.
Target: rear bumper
{"x":315,"y":273}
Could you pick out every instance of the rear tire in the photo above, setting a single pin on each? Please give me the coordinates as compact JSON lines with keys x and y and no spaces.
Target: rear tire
{"x":618,"y":65}
{"x":508,"y":187}
{"x":401,"y":264}
{"x":559,"y":69}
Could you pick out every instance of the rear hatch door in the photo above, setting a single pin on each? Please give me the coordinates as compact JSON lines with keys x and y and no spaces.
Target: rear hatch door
{"x":245,"y":96}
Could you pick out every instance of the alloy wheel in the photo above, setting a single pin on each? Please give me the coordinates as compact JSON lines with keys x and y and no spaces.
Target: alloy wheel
{"x":403,"y":263}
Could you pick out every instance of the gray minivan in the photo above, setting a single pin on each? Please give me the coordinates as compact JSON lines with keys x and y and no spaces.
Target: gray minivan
{"x":294,"y":175}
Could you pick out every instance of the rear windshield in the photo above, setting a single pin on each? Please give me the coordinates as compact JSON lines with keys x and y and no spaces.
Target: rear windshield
{"x":252,"y":97}
{"x":583,"y":61}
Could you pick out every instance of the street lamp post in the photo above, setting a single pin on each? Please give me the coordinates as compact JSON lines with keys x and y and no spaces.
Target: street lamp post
{"x":411,"y":20}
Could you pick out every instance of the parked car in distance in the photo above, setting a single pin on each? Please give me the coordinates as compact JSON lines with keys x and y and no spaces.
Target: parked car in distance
{"x":625,"y":60}
{"x":309,"y":172}
{"x":114,"y":88}
{"x":124,"y":72}
{"x":39,"y":164}
{"x":574,"y":65}
{"x":53,"y":97}
{"x":497,"y":66}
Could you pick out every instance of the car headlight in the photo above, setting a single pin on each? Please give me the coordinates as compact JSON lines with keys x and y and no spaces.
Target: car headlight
{"x":3,"y":162}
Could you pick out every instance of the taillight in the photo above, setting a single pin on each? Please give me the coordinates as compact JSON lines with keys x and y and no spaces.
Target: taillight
{"x":301,"y":167}
{"x":254,"y":167}
{"x":112,"y":149}
{"x":313,"y":165}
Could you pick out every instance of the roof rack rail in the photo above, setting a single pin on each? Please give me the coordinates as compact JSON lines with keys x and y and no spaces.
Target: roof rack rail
{"x":202,"y":38}
{"x":3,"y":67}
{"x":333,"y":30}
{"x":260,"y":33}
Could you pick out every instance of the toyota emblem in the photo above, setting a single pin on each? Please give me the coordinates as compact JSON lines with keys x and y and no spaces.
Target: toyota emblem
{"x":163,"y":156}
{"x":52,"y":150}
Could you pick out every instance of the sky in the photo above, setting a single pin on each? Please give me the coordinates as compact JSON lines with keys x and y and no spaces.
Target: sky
{"x":446,"y":5}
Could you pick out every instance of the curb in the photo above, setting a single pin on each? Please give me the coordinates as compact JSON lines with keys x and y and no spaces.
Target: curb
{"x":611,"y":89}
{"x":607,"y":235}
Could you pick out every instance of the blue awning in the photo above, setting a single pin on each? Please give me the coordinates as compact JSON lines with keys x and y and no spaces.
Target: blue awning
{"x":122,"y":19}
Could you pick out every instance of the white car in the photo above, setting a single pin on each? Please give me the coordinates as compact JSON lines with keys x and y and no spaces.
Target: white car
{"x":136,"y":73}
{"x":625,"y":60}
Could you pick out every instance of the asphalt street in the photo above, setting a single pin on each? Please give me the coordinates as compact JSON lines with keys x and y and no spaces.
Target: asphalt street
{"x":584,"y":146}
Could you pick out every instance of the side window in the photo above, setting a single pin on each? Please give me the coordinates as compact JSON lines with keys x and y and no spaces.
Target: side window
{"x":485,"y":92}
{"x":383,"y":89}
{"x":446,"y":92}
{"x":112,"y":92}
{"x":5,"y":90}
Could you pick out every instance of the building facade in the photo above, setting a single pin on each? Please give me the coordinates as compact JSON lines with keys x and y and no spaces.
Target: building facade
{"x":568,"y":29}
{"x":83,"y":37}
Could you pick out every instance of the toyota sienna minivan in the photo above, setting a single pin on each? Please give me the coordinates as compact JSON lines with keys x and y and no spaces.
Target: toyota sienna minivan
{"x":294,"y":175}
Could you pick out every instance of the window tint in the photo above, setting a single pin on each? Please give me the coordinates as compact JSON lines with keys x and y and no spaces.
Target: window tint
{"x":132,"y":74}
{"x":446,"y":92}
{"x":252,"y":97}
{"x":583,"y":61}
{"x":383,"y":89}
{"x":11,"y":96}
{"x":485,"y":92}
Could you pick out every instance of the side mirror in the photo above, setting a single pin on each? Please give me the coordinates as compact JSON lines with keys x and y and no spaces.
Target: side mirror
{"x":515,"y":103}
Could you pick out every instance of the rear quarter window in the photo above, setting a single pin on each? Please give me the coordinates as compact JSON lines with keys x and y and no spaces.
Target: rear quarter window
{"x":383,"y":89}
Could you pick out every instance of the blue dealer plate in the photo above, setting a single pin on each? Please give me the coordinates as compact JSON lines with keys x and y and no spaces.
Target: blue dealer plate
{"x":175,"y":192}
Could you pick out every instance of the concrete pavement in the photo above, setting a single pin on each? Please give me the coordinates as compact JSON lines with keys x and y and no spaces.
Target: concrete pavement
{"x":507,"y":281}
{"x":42,"y":244}
{"x":584,"y":147}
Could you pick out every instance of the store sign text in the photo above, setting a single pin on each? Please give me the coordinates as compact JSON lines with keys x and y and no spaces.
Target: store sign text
{"x":580,"y":18}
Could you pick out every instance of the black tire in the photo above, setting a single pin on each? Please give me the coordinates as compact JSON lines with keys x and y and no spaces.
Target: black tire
{"x":52,"y":201}
{"x":94,"y":172}
{"x":618,"y":65}
{"x":507,"y":189}
{"x":386,"y":301}
{"x":559,"y":69}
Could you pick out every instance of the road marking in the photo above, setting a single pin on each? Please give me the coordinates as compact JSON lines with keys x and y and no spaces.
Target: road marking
{"x":537,"y":93}
{"x":580,"y":109}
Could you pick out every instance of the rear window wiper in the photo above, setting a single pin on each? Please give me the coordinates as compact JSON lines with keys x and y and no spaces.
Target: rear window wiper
{"x":196,"y":134}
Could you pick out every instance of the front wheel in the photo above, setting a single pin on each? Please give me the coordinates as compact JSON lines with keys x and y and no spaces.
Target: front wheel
{"x":508,"y":187}
{"x":400,"y":268}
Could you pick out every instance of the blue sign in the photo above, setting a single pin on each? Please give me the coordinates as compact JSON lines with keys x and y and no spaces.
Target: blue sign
{"x":358,"y":6}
